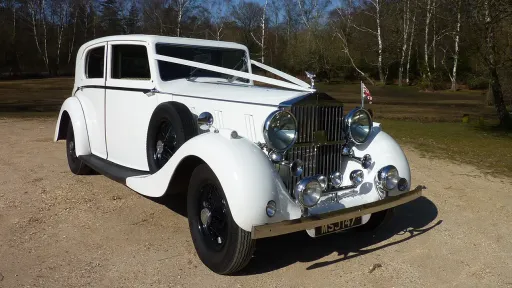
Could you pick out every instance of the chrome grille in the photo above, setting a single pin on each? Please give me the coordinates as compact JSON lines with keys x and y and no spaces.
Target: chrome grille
{"x":318,"y":118}
{"x":320,"y":151}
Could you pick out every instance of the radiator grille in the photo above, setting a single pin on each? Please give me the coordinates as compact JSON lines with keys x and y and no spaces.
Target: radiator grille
{"x":319,"y":143}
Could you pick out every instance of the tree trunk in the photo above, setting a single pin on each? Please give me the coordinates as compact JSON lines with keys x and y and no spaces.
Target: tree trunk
{"x":456,"y":53}
{"x":410,"y":47}
{"x":427,"y":24}
{"x":379,"y":38}
{"x":499,"y":103}
{"x":404,"y":46}
{"x":434,"y":39}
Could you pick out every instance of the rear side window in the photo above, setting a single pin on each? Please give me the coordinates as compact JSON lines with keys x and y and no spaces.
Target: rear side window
{"x":130,"y":62}
{"x":95,"y":63}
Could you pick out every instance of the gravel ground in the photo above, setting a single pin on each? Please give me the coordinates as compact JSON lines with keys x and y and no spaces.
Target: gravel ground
{"x":62,"y":230}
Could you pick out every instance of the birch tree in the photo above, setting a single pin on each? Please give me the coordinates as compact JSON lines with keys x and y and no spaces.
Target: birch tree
{"x":405,"y":33}
{"x":455,"y":54}
{"x":182,"y":8}
{"x":37,"y":11}
{"x":411,"y":39}
{"x":374,"y":11}
{"x":261,"y":41}
{"x":342,"y":24}
{"x":218,"y":17}
{"x":429,"y":10}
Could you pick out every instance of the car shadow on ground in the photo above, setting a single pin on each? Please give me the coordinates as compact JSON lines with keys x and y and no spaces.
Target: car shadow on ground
{"x":412,"y":219}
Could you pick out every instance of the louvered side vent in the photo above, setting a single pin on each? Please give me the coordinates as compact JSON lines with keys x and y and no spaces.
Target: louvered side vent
{"x":319,"y":143}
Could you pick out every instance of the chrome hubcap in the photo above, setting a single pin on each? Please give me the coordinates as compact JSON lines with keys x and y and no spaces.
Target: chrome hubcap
{"x":205,"y":216}
{"x":159,"y":148}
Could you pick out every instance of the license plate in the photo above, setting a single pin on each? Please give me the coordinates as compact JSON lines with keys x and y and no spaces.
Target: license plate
{"x":337,"y":226}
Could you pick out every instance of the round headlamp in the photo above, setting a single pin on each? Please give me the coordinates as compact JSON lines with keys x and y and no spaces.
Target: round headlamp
{"x":280,"y":130}
{"x":308,"y":191}
{"x":358,"y":125}
{"x":388,"y":177}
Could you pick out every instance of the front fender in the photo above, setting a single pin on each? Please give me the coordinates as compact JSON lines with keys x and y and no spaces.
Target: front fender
{"x":247,"y":177}
{"x":384,"y":151}
{"x":73,"y":109}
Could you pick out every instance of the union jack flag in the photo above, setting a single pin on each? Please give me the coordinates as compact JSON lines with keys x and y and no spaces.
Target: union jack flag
{"x":367,"y":94}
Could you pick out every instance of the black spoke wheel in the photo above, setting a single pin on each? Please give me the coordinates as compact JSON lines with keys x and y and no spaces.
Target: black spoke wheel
{"x":220,"y":243}
{"x":165,"y":143}
{"x":170,"y":126}
{"x":212,"y":213}
{"x":76,"y":165}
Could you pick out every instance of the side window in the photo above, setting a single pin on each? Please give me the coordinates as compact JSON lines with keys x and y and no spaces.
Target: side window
{"x":95,"y":62}
{"x":130,"y":62}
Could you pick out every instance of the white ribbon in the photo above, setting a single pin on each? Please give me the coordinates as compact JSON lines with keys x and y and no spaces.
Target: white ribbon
{"x":263,"y":79}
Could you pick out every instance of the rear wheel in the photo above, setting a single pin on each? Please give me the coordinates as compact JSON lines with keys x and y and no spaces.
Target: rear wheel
{"x":220,"y":243}
{"x":76,"y":165}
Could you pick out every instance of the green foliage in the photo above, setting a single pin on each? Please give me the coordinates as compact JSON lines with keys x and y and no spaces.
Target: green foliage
{"x":478,"y":83}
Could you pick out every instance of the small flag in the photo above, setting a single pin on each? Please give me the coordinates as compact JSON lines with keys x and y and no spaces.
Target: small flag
{"x":367,"y":94}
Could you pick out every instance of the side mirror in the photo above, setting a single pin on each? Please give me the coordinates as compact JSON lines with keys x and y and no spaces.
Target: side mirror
{"x":205,"y":121}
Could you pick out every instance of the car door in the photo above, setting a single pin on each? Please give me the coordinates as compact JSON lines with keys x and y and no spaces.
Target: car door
{"x":92,"y":96}
{"x":128,"y":107}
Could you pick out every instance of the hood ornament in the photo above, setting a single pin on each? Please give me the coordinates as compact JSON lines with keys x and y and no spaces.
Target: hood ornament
{"x":311,"y":77}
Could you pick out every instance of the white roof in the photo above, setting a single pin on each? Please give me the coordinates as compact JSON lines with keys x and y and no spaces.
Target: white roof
{"x":153,"y":39}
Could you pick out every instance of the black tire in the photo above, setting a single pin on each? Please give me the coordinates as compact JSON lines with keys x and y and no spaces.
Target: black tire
{"x":377,"y":221}
{"x":172,"y":122}
{"x":229,"y":254}
{"x":76,"y":165}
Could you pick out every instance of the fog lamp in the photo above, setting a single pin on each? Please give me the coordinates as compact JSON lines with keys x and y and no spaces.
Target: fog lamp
{"x":388,"y":177}
{"x":366,"y":161}
{"x":357,"y":177}
{"x":323,"y":181}
{"x":297,"y":167}
{"x":402,"y":184}
{"x":336,"y":179}
{"x":308,"y":191}
{"x":271,"y":208}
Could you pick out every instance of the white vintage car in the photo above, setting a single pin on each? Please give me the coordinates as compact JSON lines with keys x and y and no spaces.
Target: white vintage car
{"x":166,"y":115}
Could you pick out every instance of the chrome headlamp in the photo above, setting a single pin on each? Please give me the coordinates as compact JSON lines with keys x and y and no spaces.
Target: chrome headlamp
{"x":358,"y":125}
{"x":308,"y":191}
{"x":280,"y":130}
{"x":388,"y":177}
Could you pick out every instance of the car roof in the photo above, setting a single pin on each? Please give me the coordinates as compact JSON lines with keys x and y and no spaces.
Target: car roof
{"x":153,"y":39}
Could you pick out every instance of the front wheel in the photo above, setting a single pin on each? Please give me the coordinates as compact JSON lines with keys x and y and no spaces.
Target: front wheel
{"x":377,"y":221}
{"x":220,"y":243}
{"x":76,"y":165}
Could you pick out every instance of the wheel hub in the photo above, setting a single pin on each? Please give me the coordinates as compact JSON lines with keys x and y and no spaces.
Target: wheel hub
{"x":72,"y":147}
{"x":206,"y":216}
{"x":159,"y":148}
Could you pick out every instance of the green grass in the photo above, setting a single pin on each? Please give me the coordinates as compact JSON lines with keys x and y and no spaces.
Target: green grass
{"x":33,"y":96}
{"x":481,"y":146}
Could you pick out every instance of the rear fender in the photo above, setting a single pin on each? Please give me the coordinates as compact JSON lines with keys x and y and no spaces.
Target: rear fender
{"x":71,"y":112}
{"x":248,"y":178}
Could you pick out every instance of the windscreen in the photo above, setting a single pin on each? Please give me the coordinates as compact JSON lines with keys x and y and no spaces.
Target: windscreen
{"x":223,"y":57}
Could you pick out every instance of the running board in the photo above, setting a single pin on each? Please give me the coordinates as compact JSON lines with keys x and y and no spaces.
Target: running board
{"x":110,"y":169}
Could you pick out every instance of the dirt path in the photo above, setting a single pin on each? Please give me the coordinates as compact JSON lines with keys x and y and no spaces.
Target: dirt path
{"x":61,"y":230}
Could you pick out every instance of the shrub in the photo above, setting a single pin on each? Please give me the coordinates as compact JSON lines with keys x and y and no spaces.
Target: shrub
{"x":478,"y":83}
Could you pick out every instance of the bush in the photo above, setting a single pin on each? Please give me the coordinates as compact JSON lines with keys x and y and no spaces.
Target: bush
{"x":478,"y":83}
{"x":431,"y":85}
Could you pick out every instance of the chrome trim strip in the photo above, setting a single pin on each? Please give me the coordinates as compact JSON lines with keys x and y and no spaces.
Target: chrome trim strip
{"x":222,"y":100}
{"x":310,"y":222}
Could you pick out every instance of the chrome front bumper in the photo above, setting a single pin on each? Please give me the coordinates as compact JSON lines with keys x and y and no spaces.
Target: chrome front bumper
{"x":310,"y":222}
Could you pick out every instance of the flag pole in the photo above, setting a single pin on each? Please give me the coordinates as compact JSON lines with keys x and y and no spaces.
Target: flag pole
{"x":362,"y":95}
